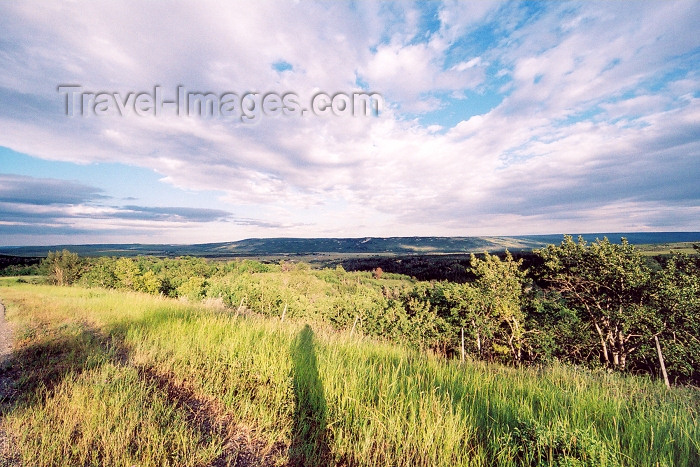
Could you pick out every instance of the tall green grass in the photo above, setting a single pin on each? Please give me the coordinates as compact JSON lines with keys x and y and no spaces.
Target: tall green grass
{"x":111,"y":378}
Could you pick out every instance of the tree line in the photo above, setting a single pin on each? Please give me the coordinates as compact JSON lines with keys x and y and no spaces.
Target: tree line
{"x":596,"y":304}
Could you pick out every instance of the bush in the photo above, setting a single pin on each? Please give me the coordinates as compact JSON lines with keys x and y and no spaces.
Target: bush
{"x":556,"y":446}
{"x":63,"y":267}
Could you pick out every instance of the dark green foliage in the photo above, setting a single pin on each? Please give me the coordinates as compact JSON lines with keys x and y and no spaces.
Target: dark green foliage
{"x":556,"y":446}
{"x":676,"y":299}
{"x":19,"y":265}
{"x":453,"y":268}
{"x":99,"y":273}
{"x":606,"y":284}
{"x":557,"y":332}
{"x":619,"y":304}
{"x":62,"y":267}
{"x":428,"y":267}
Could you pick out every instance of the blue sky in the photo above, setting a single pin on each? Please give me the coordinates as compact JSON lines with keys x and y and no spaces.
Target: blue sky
{"x":498,"y":118}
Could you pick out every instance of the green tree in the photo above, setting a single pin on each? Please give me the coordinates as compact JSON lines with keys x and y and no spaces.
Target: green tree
{"x":424,"y":324}
{"x":676,"y":297}
{"x":63,"y":267}
{"x":99,"y":272}
{"x":150,"y":283}
{"x":128,"y":274}
{"x":193,"y":288}
{"x":557,"y":332}
{"x":607,"y":284}
{"x":497,"y":313}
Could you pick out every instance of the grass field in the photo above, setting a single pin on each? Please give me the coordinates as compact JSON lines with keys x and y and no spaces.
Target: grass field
{"x":668,"y":248}
{"x":112,"y":378}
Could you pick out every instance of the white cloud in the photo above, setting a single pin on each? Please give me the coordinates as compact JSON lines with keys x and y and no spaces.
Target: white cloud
{"x":599,"y":100}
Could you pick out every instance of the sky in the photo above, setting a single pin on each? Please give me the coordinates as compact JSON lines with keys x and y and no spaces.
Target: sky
{"x":493,"y":118}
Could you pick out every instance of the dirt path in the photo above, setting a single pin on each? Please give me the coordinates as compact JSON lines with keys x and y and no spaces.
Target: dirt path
{"x":5,"y":337}
{"x":6,"y":457}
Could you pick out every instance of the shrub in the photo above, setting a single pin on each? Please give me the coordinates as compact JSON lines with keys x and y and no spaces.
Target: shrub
{"x":556,"y":446}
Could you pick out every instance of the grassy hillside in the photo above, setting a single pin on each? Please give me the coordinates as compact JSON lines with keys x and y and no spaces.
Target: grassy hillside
{"x":113,"y":378}
{"x":655,"y":249}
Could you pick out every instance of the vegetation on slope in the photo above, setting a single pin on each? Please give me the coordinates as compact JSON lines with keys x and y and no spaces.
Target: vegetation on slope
{"x":107,"y":377}
{"x":595,"y":304}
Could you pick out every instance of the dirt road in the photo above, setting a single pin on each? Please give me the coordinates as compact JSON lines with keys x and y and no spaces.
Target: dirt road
{"x":7,"y":457}
{"x":5,"y":337}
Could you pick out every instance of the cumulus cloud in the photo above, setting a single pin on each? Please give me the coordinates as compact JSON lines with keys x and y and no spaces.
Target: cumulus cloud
{"x":596,"y":112}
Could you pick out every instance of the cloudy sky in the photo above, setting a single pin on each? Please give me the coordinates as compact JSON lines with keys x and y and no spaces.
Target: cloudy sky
{"x":498,"y":118}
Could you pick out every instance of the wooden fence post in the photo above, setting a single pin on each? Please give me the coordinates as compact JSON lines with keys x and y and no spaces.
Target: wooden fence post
{"x":284,"y":312}
{"x":353,"y":325}
{"x":661,"y":361}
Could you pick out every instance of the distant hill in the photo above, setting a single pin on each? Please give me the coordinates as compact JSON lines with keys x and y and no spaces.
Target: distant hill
{"x":374,"y":245}
{"x":635,"y":238}
{"x":346,"y":246}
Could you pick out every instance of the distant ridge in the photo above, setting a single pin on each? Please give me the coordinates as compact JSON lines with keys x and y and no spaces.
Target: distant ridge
{"x":363,"y":245}
{"x":635,"y":238}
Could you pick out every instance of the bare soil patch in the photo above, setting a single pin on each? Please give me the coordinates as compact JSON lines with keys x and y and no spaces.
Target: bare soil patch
{"x":7,"y":457}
